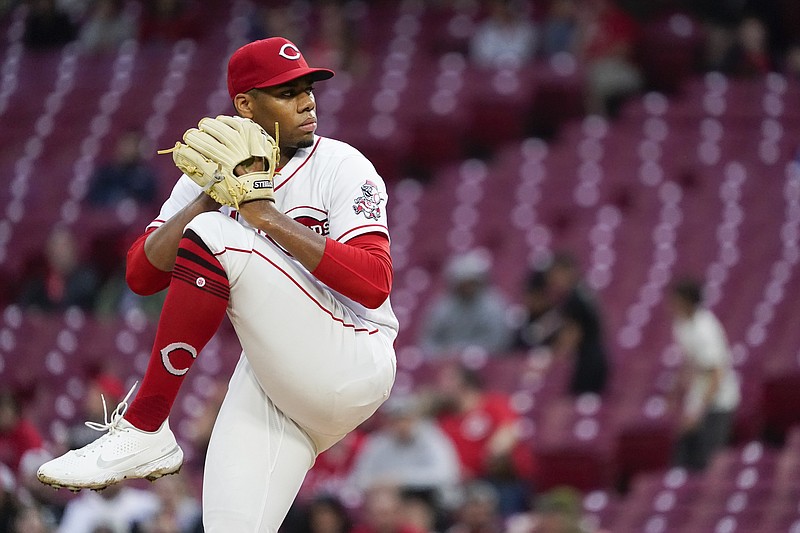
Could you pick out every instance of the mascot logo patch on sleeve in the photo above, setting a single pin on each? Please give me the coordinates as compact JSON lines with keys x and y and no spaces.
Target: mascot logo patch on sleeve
{"x":368,"y":204}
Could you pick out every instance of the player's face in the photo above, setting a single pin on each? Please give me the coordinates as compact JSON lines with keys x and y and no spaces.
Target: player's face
{"x":292,"y":106}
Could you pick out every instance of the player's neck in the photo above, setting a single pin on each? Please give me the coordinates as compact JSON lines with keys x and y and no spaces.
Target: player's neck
{"x":286,"y":155}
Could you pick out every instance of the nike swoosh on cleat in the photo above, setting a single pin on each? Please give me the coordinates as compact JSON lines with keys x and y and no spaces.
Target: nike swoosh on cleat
{"x":102,"y":463}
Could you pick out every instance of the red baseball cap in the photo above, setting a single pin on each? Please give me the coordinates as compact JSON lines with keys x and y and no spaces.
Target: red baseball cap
{"x":266,"y":63}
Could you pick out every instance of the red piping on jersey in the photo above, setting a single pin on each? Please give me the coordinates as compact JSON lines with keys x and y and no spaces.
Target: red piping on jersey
{"x":357,"y":228}
{"x":307,"y":207}
{"x":310,"y":297}
{"x":301,"y":165}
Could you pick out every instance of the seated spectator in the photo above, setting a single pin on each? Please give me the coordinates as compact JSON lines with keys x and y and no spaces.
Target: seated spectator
{"x":62,"y":280}
{"x":335,"y":43}
{"x":326,"y":514}
{"x":478,"y":512}
{"x":507,"y":38}
{"x":179,"y":509}
{"x":410,"y":452}
{"x":580,"y":336}
{"x":10,"y":506}
{"x":750,"y":55}
{"x":165,"y":21}
{"x":18,"y":436}
{"x":558,"y":511}
{"x":560,"y":28}
{"x":609,"y":37}
{"x":708,"y":387}
{"x":127,"y":177}
{"x":791,"y":62}
{"x":470,"y":313}
{"x":109,"y":25}
{"x":103,"y":385}
{"x":383,"y":512}
{"x":485,"y":432}
{"x":46,"y":26}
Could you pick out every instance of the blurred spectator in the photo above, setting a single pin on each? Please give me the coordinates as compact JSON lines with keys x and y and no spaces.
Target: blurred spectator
{"x":478,"y":512}
{"x":421,"y":513}
{"x":179,"y":510}
{"x":506,"y":38}
{"x":335,"y":43}
{"x":708,"y":386}
{"x":580,"y":336}
{"x":165,"y":21}
{"x":749,"y":55}
{"x":326,"y":514}
{"x":127,"y":177}
{"x":485,"y":432}
{"x":61,"y":280}
{"x":46,"y":26}
{"x":471,"y":312}
{"x":558,"y":511}
{"x":31,"y":519}
{"x":18,"y":435}
{"x":560,"y":28}
{"x":102,"y":386}
{"x":410,"y":452}
{"x":9,"y":503}
{"x":383,"y":512}
{"x":280,"y":20}
{"x":116,"y":509}
{"x":608,"y":40}
{"x":791,"y":63}
{"x":540,"y":321}
{"x":109,"y":24}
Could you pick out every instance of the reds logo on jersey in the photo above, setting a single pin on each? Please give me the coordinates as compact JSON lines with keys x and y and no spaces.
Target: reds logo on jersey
{"x":313,"y":218}
{"x":369,"y":202}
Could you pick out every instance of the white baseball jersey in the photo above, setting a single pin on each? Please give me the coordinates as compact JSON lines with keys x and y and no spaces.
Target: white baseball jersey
{"x":331,"y":188}
{"x":314,"y":364}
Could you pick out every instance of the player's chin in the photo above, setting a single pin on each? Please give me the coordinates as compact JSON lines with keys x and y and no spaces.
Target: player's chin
{"x":305,"y":141}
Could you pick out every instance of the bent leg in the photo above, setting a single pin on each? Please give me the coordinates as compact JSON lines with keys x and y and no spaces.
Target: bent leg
{"x":320,"y":363}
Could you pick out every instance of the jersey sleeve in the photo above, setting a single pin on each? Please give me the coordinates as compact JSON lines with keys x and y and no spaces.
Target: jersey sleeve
{"x":184,"y":191}
{"x":358,"y":200}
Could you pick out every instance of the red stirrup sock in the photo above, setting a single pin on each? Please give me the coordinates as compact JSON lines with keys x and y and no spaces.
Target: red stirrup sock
{"x":193,"y":311}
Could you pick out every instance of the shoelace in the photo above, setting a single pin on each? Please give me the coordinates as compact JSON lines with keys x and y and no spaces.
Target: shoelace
{"x":111,"y":424}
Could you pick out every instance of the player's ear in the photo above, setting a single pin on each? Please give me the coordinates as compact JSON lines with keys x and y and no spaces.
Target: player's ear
{"x":244,"y":105}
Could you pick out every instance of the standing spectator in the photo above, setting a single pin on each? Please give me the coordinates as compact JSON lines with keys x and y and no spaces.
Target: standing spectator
{"x":410,"y":452}
{"x":63,"y":281}
{"x":46,"y":26}
{"x":471,"y":312}
{"x":581,"y":333}
{"x":540,"y":322}
{"x":127,"y":177}
{"x":609,"y":38}
{"x":507,"y":38}
{"x":485,"y":432}
{"x":109,"y":25}
{"x":708,"y":385}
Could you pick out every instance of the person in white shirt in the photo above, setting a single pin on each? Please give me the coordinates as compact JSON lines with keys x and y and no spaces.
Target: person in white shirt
{"x":708,"y":386}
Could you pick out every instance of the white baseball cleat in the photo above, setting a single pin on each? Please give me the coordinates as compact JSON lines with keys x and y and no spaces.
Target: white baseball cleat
{"x":124,"y":452}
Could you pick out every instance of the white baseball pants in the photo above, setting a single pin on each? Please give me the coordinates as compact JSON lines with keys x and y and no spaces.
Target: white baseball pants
{"x":311,"y":371}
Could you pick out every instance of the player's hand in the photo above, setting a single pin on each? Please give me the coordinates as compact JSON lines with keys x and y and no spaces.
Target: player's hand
{"x":231,"y":158}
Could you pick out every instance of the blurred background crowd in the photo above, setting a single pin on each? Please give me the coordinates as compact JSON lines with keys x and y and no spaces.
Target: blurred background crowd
{"x":595,"y":210}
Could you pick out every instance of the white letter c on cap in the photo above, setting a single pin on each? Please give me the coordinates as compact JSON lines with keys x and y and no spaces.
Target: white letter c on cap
{"x":293,"y":52}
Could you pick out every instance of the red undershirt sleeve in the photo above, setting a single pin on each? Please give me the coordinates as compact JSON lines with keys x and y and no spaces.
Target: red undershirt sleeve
{"x":142,"y":277}
{"x":360,"y":269}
